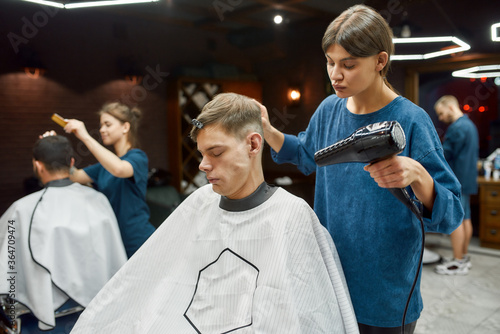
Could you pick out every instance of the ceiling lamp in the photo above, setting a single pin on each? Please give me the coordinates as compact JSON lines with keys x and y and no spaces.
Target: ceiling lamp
{"x":477,"y":72}
{"x":278,"y":19}
{"x":494,"y":32}
{"x":47,"y":3}
{"x":89,"y":3}
{"x":461,"y":46}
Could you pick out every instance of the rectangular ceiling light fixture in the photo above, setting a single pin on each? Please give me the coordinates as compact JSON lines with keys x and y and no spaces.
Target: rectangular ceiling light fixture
{"x":477,"y":72}
{"x":461,"y":46}
{"x":89,"y":4}
{"x":495,"y":36}
{"x":47,"y":3}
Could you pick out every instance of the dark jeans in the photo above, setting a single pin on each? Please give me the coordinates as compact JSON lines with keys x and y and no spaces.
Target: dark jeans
{"x":365,"y":329}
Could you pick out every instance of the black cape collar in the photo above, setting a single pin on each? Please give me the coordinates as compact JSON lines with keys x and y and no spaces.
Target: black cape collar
{"x":59,"y":183}
{"x":259,"y":196}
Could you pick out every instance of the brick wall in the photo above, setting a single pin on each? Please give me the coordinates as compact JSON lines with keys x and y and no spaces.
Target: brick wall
{"x":26,"y":105}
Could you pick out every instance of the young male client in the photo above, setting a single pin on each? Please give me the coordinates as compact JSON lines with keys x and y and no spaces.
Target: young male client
{"x":238,"y":255}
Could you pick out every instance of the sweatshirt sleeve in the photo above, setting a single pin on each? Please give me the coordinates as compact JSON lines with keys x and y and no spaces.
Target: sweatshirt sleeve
{"x":425,"y":147}
{"x":447,"y":213}
{"x":293,"y":152}
{"x":139,"y":161}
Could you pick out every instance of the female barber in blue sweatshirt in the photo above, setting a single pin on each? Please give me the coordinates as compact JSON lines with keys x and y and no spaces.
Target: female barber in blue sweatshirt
{"x":377,"y":237}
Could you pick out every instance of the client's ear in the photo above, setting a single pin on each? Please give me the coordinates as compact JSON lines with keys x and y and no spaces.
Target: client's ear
{"x":38,"y":165}
{"x":255,"y":141}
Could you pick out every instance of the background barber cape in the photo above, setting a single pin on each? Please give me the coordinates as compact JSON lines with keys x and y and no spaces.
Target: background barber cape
{"x":72,"y":248}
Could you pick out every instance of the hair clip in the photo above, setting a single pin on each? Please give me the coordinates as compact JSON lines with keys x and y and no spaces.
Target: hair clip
{"x":197,"y":123}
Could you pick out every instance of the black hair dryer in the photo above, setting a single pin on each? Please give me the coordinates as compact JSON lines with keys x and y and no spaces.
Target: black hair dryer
{"x":369,"y":144}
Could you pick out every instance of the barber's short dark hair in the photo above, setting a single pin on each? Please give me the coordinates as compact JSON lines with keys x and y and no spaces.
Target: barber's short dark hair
{"x":55,"y":152}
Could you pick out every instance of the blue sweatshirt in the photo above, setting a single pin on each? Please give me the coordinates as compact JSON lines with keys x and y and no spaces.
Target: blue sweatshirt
{"x":461,"y":150}
{"x":127,"y":198}
{"x":377,"y":237}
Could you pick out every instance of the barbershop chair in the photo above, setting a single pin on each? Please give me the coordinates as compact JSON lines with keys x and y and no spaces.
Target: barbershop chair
{"x":161,"y":198}
{"x":15,"y":318}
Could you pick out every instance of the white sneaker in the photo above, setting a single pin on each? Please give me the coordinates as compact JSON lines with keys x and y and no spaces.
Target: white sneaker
{"x":467,"y":261}
{"x":452,"y":267}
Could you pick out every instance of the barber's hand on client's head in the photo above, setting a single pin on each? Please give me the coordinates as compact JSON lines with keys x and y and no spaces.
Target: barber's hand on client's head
{"x":264,"y":114}
{"x":48,"y":133}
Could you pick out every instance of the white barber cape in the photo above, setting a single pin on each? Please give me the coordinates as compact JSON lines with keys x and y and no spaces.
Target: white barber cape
{"x":262,"y":264}
{"x":58,"y":243}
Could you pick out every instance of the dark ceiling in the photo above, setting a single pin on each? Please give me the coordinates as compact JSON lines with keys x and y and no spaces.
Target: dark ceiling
{"x":465,"y":19}
{"x":251,"y":21}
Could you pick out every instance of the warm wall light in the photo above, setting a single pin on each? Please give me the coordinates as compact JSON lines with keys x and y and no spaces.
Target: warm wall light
{"x":34,"y":72}
{"x":293,"y":95}
{"x":89,"y":3}
{"x":134,"y":79}
{"x":494,"y":32}
{"x":478,"y":72}
{"x":461,"y":46}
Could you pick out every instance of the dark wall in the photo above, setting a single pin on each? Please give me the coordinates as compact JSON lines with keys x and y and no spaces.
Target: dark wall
{"x":304,"y":67}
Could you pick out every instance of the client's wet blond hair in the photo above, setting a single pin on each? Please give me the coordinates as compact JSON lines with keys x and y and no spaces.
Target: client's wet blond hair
{"x":236,"y":114}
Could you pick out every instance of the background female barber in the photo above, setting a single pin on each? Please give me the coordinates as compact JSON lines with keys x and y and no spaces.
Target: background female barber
{"x":121,"y":176}
{"x":377,"y":237}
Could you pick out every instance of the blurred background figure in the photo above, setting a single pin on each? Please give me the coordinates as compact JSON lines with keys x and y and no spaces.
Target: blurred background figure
{"x":461,"y":150}
{"x":123,"y":175}
{"x":62,"y":242}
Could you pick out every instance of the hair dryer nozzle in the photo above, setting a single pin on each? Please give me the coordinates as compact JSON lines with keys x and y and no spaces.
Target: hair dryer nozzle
{"x":367,"y":144}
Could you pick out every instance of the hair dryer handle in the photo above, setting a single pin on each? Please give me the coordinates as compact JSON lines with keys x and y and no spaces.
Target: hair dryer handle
{"x":402,"y":195}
